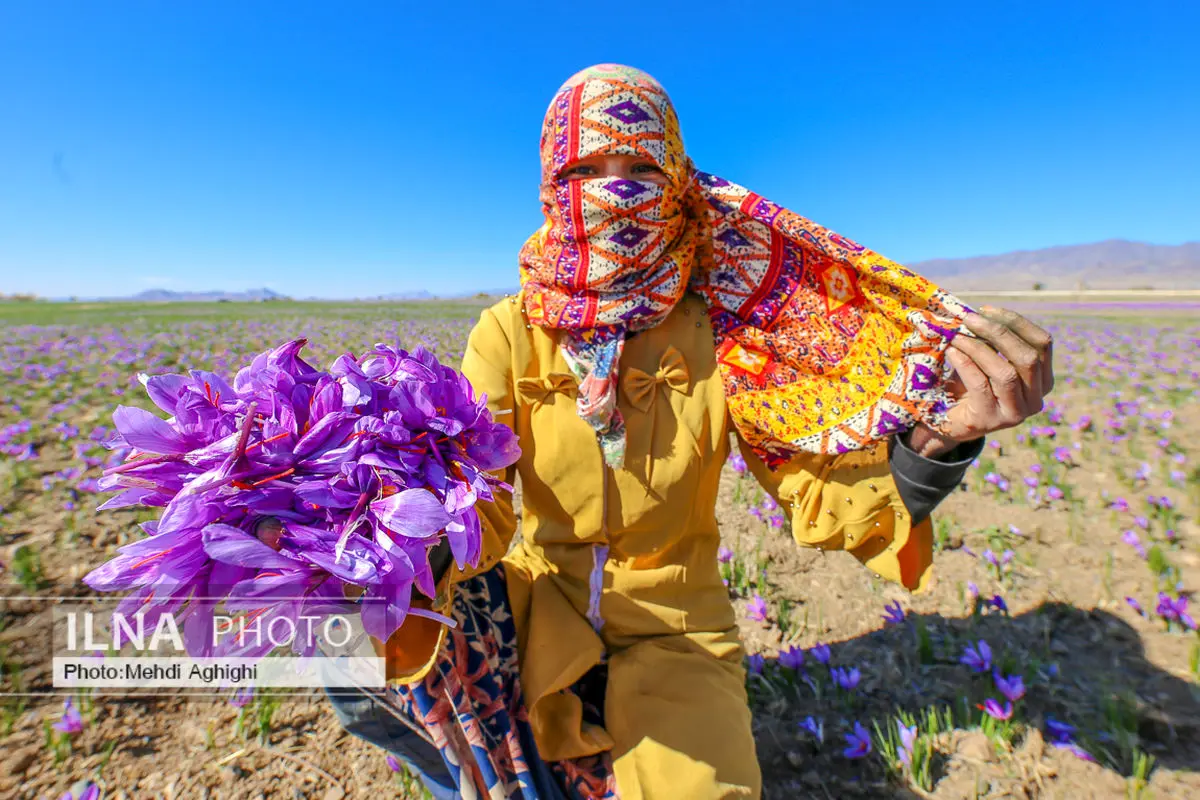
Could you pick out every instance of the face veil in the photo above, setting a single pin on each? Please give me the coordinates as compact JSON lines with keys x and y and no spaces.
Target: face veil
{"x":823,"y":345}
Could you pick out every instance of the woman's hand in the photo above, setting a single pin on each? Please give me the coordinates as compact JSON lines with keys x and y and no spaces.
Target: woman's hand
{"x":1004,"y":372}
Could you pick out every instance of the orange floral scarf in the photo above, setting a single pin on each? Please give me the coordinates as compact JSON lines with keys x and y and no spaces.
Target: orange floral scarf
{"x":823,"y":346}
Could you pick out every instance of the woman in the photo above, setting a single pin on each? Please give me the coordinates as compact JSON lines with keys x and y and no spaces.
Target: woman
{"x":661,"y":310}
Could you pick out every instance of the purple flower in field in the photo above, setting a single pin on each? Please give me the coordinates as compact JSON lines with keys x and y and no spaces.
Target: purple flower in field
{"x":997,"y":602}
{"x":756,"y":512}
{"x":1175,"y":610}
{"x":908,"y":740}
{"x":1059,"y":731}
{"x":1003,"y":485}
{"x":70,"y":722}
{"x":820,"y":653}
{"x":1142,"y":522}
{"x":990,"y":557}
{"x":972,"y":589}
{"x":1036,"y":469}
{"x":756,"y":609}
{"x":1006,"y":558}
{"x":769,"y":504}
{"x":1076,"y":751}
{"x":1031,"y":482}
{"x":775,"y":521}
{"x":724,"y":555}
{"x":1014,"y":530}
{"x":242,"y":697}
{"x":737,"y":464}
{"x":1012,"y":687}
{"x":1062,"y":455}
{"x":991,"y":478}
{"x":754,"y":663}
{"x":893,"y":614}
{"x":1054,"y":493}
{"x":996,"y":711}
{"x":1136,"y":606}
{"x":1142,"y":473}
{"x":792,"y":657}
{"x":1130,"y":538}
{"x":90,"y":792}
{"x":1170,"y":535}
{"x":393,"y":763}
{"x":846,"y":679}
{"x":1120,"y":504}
{"x":977,"y":656}
{"x":858,"y":743}
{"x":814,"y":726}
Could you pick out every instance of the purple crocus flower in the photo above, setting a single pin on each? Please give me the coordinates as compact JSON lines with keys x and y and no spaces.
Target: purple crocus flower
{"x":814,"y":726}
{"x":858,"y":743}
{"x":996,"y":711}
{"x":893,"y":614}
{"x":756,"y":609}
{"x":242,"y":697}
{"x":393,"y":763}
{"x":724,"y":555}
{"x":755,"y":663}
{"x":366,"y":466}
{"x":1130,"y":538}
{"x":70,"y":722}
{"x":846,"y":679}
{"x":997,"y":602}
{"x":978,"y":656}
{"x":738,"y":464}
{"x":792,"y":657}
{"x":1175,"y":610}
{"x":1136,"y":606}
{"x":1120,"y":504}
{"x":820,"y":653}
{"x":90,"y":792}
{"x":908,"y":740}
{"x":1059,"y":731}
{"x":1012,"y":687}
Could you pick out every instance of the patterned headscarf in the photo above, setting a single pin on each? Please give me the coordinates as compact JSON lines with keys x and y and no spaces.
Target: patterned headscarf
{"x":823,"y":346}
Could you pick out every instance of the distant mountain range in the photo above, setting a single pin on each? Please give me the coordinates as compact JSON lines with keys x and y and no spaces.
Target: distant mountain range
{"x":1112,"y":264}
{"x":167,"y":296}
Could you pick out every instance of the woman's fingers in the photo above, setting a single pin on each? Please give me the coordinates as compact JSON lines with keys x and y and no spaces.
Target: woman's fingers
{"x":1035,"y":335}
{"x":995,"y":326}
{"x":977,"y":388}
{"x":1003,"y":379}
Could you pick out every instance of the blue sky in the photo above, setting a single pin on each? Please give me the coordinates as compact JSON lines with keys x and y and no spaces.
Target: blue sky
{"x":353,"y":149}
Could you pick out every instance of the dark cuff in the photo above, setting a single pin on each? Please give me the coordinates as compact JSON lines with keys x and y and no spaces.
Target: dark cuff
{"x":923,"y":483}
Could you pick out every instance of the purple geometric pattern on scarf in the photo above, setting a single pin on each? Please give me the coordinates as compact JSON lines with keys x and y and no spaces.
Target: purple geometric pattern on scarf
{"x":733,"y":239}
{"x":626,"y":189}
{"x":628,"y":112}
{"x":923,"y":378}
{"x":629,"y":236}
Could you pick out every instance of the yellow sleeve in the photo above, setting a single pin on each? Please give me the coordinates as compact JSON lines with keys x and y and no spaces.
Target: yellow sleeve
{"x":411,"y":651}
{"x":850,"y":502}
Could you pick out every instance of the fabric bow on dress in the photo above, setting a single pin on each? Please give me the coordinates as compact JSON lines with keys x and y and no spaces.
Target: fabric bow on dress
{"x":542,"y":390}
{"x":642,"y":389}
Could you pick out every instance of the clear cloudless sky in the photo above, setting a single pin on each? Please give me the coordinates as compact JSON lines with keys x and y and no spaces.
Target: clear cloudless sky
{"x":350,"y":149}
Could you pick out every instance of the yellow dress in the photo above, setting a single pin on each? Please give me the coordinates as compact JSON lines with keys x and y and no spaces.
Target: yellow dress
{"x":676,"y":715}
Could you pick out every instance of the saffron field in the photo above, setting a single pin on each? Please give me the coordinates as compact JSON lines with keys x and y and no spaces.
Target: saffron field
{"x":1055,"y":654}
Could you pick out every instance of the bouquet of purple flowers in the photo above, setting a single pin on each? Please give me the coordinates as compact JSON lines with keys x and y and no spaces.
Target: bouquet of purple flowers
{"x":366,"y":467}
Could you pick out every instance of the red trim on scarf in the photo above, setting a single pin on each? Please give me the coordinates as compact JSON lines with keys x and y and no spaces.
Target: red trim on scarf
{"x":769,"y":281}
{"x":574,"y":125}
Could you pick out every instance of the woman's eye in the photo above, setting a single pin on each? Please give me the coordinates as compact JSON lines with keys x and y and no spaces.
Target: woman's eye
{"x":646,"y":168}
{"x":577,"y":172}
